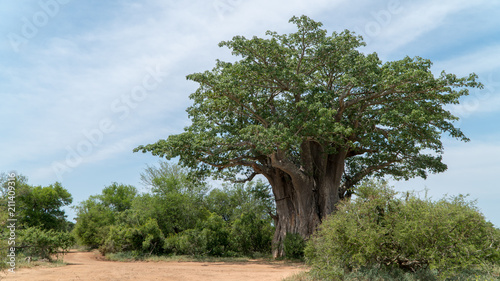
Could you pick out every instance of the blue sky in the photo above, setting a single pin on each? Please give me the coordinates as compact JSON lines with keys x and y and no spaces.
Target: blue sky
{"x":84,"y":82}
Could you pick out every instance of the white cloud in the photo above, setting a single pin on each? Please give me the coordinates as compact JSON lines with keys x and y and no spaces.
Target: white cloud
{"x":483,"y":60}
{"x":396,"y":24}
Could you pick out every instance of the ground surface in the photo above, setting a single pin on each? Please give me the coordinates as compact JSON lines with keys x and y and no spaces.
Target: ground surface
{"x":87,"y":266}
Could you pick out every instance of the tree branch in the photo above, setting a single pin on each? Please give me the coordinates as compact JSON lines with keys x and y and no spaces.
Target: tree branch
{"x":349,"y":183}
{"x":249,"y":178}
{"x":359,"y":151}
{"x":279,"y":161}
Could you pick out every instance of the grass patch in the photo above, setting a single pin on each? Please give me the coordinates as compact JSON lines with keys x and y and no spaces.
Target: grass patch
{"x":188,"y":258}
{"x":135,"y":256}
{"x":123,"y":256}
{"x":43,"y":263}
{"x":302,"y":276}
{"x":23,"y":262}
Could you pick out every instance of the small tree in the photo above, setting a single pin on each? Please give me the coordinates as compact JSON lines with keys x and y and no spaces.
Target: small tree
{"x":93,"y":222}
{"x":175,"y":200}
{"x":380,"y":229}
{"x":38,"y":206}
{"x":45,"y":243}
{"x":41,"y":223}
{"x":233,"y":200}
{"x":251,"y":234}
{"x":96,"y":215}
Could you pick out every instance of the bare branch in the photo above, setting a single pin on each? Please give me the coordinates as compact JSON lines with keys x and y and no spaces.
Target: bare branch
{"x":359,"y":151}
{"x":249,"y":178}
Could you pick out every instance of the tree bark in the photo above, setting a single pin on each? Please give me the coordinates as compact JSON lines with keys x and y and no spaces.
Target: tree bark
{"x":305,"y":195}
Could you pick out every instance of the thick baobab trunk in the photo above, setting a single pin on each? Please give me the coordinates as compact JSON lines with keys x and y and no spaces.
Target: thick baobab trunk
{"x":302,"y":201}
{"x":296,"y":211}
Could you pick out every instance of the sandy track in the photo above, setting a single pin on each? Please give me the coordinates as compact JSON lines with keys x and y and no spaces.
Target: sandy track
{"x":85,"y":266}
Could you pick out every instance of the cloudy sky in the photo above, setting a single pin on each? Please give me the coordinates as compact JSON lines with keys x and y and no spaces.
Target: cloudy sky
{"x":84,"y":82}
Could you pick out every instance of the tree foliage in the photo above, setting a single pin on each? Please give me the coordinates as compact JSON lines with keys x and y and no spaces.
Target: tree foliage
{"x":38,"y":206}
{"x":41,"y":227}
{"x":118,"y":197}
{"x":288,"y":91}
{"x":234,"y":200}
{"x":251,"y":234}
{"x":93,"y":222}
{"x":381,"y":229}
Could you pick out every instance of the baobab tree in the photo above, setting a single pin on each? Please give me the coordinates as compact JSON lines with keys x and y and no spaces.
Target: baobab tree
{"x":314,"y":115}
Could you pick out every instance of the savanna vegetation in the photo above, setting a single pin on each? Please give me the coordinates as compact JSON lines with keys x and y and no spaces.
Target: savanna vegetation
{"x":178,"y":215}
{"x":319,"y":121}
{"x":377,"y":234}
{"x":33,"y":224}
{"x":381,"y":234}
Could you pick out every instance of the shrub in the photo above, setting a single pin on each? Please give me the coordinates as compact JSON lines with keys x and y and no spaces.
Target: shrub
{"x":378,"y":229}
{"x":119,"y":238}
{"x":294,"y":246}
{"x":188,"y":242}
{"x":216,"y":233}
{"x":42,"y":243}
{"x":94,"y":221}
{"x":210,"y":238}
{"x":144,"y":239}
{"x":153,"y":238}
{"x":250,"y":234}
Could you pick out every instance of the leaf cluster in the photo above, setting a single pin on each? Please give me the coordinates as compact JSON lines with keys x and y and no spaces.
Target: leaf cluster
{"x":378,"y":228}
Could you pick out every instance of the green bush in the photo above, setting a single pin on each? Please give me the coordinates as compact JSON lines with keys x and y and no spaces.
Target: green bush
{"x":216,"y":233}
{"x":152,"y":237}
{"x":250,"y":234}
{"x":188,"y":242}
{"x":37,"y":242}
{"x":145,"y":239}
{"x":94,"y":221}
{"x":378,"y":229}
{"x":294,"y":246}
{"x":210,"y":238}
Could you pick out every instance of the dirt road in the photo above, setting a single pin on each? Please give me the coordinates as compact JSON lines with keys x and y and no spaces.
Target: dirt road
{"x":85,"y":266}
